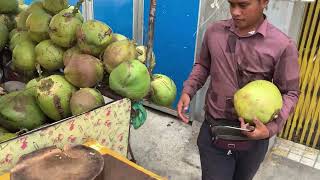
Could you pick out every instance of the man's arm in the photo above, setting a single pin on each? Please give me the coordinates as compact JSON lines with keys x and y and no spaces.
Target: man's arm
{"x":200,"y":70}
{"x":286,"y":77}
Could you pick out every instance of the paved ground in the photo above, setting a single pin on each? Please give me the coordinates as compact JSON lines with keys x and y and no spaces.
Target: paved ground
{"x":167,"y":147}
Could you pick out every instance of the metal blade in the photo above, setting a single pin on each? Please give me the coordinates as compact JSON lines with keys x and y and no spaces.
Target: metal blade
{"x":249,"y":129}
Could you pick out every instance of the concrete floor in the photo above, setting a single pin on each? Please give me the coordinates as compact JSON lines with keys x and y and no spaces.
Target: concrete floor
{"x":167,"y":147}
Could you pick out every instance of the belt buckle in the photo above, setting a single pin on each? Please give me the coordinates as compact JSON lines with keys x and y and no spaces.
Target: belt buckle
{"x":231,"y":146}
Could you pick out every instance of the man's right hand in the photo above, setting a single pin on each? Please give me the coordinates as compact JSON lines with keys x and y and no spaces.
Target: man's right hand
{"x":183,"y":106}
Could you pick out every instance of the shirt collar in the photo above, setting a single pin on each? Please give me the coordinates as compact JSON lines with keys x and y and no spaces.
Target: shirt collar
{"x":262,"y":29}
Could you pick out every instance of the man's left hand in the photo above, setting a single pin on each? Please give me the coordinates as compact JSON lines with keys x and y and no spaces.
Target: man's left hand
{"x":260,"y":132}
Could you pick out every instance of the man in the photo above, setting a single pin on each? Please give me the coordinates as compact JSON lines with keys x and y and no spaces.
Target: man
{"x":235,"y":52}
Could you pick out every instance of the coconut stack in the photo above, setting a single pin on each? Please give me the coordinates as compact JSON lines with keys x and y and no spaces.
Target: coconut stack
{"x":62,"y":67}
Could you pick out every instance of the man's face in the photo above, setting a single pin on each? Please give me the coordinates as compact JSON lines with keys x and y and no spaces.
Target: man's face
{"x":247,"y":13}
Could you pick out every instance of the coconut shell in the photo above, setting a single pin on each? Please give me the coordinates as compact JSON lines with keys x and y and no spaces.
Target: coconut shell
{"x":77,"y":163}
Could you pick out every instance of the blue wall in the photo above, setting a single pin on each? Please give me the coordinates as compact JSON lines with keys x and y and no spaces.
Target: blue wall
{"x":175,"y":38}
{"x":118,"y":14}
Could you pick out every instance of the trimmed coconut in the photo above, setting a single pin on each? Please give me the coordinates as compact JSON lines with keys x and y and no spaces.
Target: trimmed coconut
{"x":21,"y":19}
{"x":18,"y":37}
{"x":70,"y":52}
{"x":55,"y":6}
{"x":19,"y":110}
{"x":130,"y":79}
{"x":117,"y":52}
{"x":8,"y":6}
{"x":24,"y":56}
{"x":49,"y":55}
{"x":37,"y":24}
{"x":4,"y":35}
{"x":118,"y":37}
{"x":8,"y":20}
{"x":84,"y":100}
{"x":260,"y":99}
{"x":84,"y":70}
{"x":163,"y":90}
{"x":53,"y":95}
{"x":59,"y":34}
{"x":93,"y":37}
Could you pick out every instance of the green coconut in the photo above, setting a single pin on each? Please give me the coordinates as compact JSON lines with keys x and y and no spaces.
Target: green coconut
{"x":93,"y":37}
{"x":53,"y":94}
{"x":70,"y":52}
{"x":35,"y":6}
{"x":260,"y":99}
{"x":4,"y":35}
{"x":83,"y":70}
{"x":24,"y":56}
{"x":13,"y":32}
{"x":59,"y":34}
{"x":7,"y":136}
{"x":84,"y":100}
{"x":37,"y":24}
{"x":130,"y":79}
{"x":117,"y":52}
{"x":142,"y":56}
{"x":49,"y":55}
{"x":3,"y":130}
{"x":55,"y":6}
{"x":118,"y":37}
{"x":32,"y":85}
{"x":8,"y":20}
{"x":19,"y":110}
{"x":163,"y":90}
{"x":8,"y":6}
{"x":18,"y":37}
{"x":21,"y":19}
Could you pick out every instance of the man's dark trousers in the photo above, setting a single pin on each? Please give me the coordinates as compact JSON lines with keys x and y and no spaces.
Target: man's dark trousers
{"x":218,"y":164}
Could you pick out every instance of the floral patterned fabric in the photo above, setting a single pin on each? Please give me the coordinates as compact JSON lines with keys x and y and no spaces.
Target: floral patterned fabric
{"x":108,"y":125}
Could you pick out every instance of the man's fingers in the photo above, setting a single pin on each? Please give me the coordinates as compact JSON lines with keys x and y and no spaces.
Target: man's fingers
{"x":181,"y":111}
{"x":257,"y":122}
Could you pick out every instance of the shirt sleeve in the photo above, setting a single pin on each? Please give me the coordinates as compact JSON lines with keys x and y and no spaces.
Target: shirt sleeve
{"x":200,"y":70}
{"x":286,"y":78}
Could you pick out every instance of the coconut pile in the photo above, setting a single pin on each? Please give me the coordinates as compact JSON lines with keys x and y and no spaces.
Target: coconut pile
{"x":65,"y":59}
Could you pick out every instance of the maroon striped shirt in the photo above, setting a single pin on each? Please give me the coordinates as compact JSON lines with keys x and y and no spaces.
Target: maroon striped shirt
{"x":232,"y":61}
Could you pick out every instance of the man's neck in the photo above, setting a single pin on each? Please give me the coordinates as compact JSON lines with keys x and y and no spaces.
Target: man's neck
{"x":252,"y":28}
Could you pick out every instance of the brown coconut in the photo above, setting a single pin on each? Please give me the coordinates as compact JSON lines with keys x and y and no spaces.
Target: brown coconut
{"x":83,"y":70}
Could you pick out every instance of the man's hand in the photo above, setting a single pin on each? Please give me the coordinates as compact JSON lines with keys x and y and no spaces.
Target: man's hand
{"x":183,"y":106}
{"x":260,"y":132}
